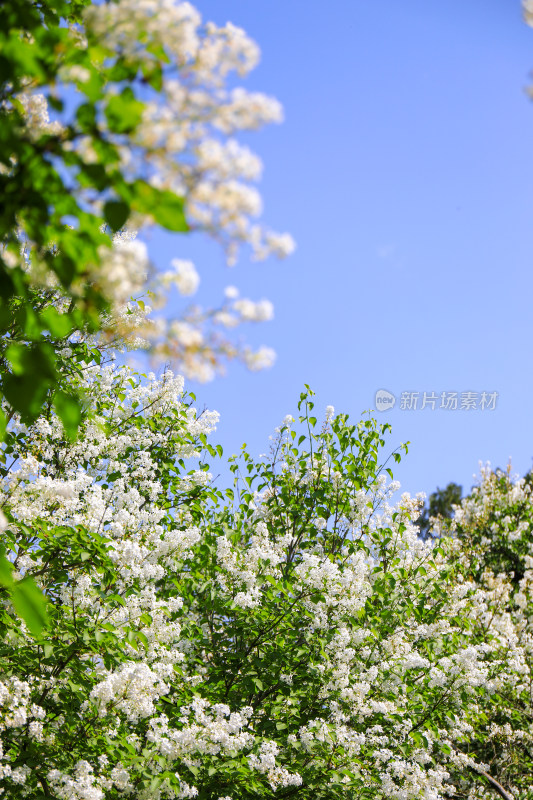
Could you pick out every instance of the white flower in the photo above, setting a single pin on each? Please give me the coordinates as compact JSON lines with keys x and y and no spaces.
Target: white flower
{"x":184,"y":276}
{"x":75,"y":72}
{"x":254,"y":312}
{"x":261,"y":359}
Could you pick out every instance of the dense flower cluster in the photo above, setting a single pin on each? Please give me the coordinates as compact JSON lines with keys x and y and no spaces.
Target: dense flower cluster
{"x":181,"y":140}
{"x":290,"y":633}
{"x":287,"y":636}
{"x":165,"y":114}
{"x":493,"y":545}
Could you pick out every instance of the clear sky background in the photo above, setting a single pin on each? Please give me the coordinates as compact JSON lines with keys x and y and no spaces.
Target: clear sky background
{"x":404,"y":170}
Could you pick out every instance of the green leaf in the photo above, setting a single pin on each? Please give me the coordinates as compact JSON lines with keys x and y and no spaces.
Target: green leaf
{"x":165,"y":207}
{"x":69,"y":412}
{"x":26,"y":394}
{"x":31,"y":605}
{"x":124,"y":111}
{"x":6,"y":570}
{"x":33,"y":374}
{"x":16,"y":354}
{"x":59,"y":325}
{"x":86,"y":117}
{"x":116,"y":212}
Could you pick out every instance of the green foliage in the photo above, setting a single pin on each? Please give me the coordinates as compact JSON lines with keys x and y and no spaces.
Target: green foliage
{"x":300,"y":604}
{"x":45,"y":184}
{"x":69,"y":412}
{"x":440,"y":504}
{"x":28,"y":600}
{"x":492,"y":535}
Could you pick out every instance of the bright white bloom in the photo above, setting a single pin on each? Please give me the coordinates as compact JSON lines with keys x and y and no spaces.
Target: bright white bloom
{"x":123,"y":270}
{"x":254,"y":312}
{"x":260,"y":359}
{"x":183,"y":275}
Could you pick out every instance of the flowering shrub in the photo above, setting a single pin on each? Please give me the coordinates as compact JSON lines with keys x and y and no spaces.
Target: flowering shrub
{"x":161,"y":636}
{"x":115,"y":117}
{"x":288,"y":636}
{"x":491,"y":534}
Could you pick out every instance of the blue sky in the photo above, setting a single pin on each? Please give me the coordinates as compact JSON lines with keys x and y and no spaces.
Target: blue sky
{"x":404,"y":170}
